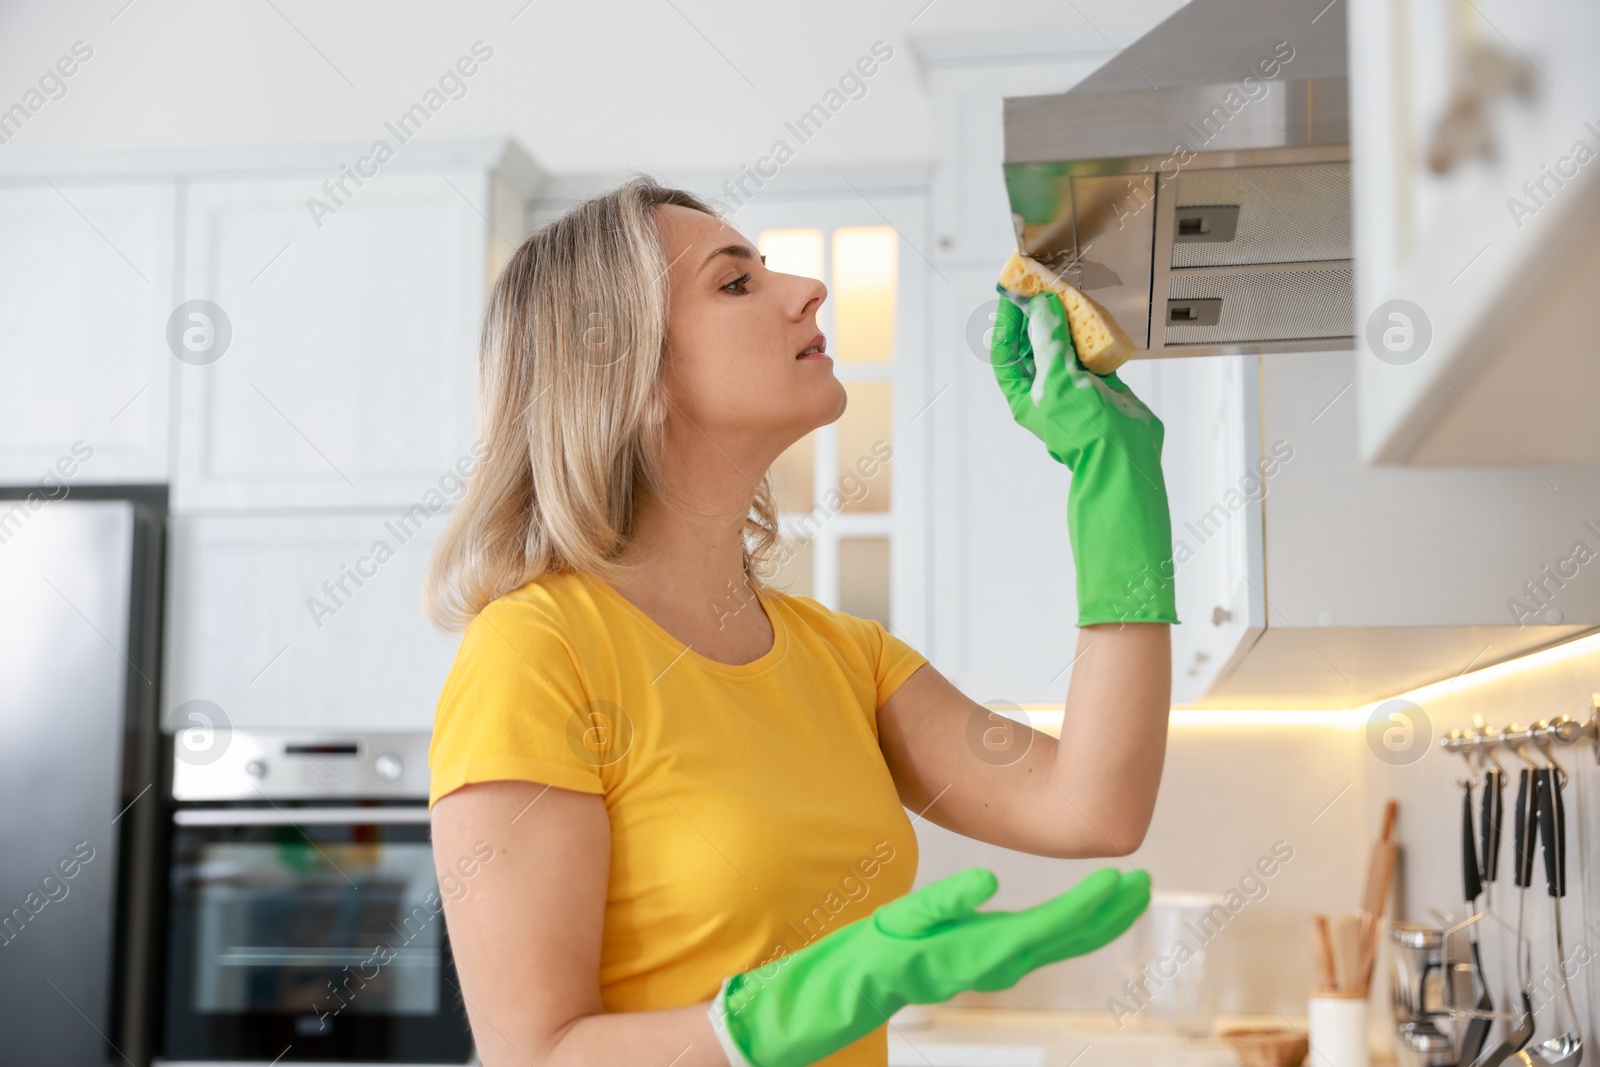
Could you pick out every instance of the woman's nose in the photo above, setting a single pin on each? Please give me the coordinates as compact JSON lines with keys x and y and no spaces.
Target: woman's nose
{"x":812,"y":293}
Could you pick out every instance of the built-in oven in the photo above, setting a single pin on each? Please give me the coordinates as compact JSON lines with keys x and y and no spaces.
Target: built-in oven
{"x":304,"y":919}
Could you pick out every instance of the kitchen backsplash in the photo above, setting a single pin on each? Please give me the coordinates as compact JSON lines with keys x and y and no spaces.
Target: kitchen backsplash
{"x":1304,"y":802}
{"x":1229,"y":795}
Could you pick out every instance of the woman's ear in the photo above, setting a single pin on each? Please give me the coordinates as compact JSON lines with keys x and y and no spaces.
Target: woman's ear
{"x":658,"y":408}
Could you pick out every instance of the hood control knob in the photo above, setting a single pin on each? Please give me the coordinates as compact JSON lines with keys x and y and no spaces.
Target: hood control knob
{"x":388,"y":766}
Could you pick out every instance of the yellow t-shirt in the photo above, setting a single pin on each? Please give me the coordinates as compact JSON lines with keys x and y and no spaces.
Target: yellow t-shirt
{"x":751,"y":809}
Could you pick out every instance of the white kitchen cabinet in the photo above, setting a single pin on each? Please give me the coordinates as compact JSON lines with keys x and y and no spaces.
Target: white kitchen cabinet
{"x":86,"y":286}
{"x":303,"y":621}
{"x":1370,"y":580}
{"x":349,"y":378}
{"x":332,"y":361}
{"x":1490,"y":362}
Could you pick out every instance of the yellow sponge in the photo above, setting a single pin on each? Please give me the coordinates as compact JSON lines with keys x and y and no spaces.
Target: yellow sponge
{"x":1100,"y":341}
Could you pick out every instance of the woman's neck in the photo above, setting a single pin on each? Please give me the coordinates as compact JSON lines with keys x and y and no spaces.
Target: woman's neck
{"x":687,"y":559}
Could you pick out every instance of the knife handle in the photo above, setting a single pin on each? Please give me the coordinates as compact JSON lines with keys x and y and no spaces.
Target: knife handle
{"x":1493,"y":816}
{"x":1525,"y":831}
{"x":1553,"y":832}
{"x":1469,"y":852}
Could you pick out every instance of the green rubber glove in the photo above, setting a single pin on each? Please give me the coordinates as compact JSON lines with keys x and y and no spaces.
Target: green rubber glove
{"x":922,"y":948}
{"x":1117,"y":513}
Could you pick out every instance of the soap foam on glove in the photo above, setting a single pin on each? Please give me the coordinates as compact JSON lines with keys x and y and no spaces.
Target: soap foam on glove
{"x":1101,"y":342}
{"x":1045,"y":330}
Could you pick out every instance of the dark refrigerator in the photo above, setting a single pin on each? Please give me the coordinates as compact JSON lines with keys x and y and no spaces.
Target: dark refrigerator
{"x":80,"y":617}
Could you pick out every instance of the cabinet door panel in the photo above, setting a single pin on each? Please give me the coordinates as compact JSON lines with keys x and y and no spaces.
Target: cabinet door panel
{"x":304,"y":621}
{"x":349,"y":376}
{"x":86,"y":284}
{"x":1479,"y":213}
{"x":1212,"y":458}
{"x":1368,"y":546}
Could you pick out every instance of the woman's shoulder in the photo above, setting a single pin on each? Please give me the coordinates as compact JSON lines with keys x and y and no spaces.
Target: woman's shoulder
{"x":548,"y":591}
{"x":802,"y":607}
{"x":871,"y":638}
{"x":817,"y":617}
{"x":547,"y":604}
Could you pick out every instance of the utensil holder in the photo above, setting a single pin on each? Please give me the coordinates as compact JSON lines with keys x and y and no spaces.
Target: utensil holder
{"x":1337,"y":1025}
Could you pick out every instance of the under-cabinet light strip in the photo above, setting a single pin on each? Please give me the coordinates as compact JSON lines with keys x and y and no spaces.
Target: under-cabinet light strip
{"x":1048,"y":718}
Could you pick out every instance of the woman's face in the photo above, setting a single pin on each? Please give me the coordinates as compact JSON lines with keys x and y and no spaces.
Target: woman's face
{"x":734,"y":334}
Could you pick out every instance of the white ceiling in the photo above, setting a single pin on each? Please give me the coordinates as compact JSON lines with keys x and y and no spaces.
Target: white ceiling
{"x":669,"y":85}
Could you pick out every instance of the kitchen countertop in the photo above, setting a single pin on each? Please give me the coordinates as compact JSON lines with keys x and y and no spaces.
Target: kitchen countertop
{"x":991,"y":1037}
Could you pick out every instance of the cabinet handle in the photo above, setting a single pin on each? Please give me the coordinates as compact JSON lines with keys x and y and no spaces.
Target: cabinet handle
{"x":1220,"y":615}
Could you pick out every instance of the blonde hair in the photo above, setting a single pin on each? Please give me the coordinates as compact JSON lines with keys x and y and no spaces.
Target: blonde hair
{"x":571,"y":409}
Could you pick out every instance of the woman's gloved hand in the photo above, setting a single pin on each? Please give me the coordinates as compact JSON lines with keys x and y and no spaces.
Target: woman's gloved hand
{"x":1117,"y":513}
{"x":922,"y":948}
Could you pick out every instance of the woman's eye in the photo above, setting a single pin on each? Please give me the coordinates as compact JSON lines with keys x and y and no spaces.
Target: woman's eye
{"x":740,"y":281}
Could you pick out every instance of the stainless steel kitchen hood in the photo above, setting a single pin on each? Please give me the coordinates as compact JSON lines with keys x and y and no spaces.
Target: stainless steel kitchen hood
{"x":1198,"y":184}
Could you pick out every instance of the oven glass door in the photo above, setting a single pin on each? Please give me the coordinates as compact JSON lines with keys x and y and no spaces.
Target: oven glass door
{"x":317,"y":939}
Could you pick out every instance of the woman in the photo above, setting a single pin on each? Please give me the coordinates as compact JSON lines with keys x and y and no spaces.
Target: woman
{"x":694,"y":788}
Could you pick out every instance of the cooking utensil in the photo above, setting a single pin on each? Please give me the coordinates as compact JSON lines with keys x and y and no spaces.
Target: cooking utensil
{"x":1565,"y":1048}
{"x":1491,"y":808}
{"x":1322,"y":952}
{"x":1478,"y":1026}
{"x":1347,"y":951}
{"x":1375,"y":891}
{"x":1524,"y":833}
